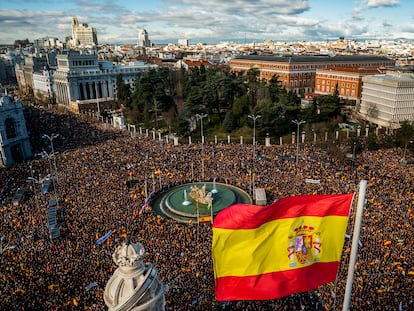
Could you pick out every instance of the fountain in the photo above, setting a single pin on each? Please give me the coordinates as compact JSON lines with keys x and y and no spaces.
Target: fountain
{"x":186,"y":202}
{"x":214,"y":186}
{"x":172,"y":205}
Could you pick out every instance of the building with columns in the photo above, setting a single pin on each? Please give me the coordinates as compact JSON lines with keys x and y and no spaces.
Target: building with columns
{"x":14,"y":139}
{"x":388,"y":99}
{"x":297,"y":72}
{"x":81,"y":79}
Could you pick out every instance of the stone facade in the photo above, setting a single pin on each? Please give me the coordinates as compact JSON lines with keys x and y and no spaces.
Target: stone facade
{"x":134,"y":286}
{"x":14,"y":139}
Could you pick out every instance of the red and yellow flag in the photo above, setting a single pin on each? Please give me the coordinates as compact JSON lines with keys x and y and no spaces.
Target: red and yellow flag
{"x":292,"y":245}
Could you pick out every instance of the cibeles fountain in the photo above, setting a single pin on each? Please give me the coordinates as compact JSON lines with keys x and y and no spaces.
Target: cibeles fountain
{"x":197,"y":201}
{"x":134,"y":286}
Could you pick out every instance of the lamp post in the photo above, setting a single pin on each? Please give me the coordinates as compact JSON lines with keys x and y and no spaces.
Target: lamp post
{"x":34,"y":181}
{"x":353,"y":155}
{"x":298,"y":123}
{"x":51,"y":138}
{"x":405,"y":148}
{"x":201,"y":117}
{"x":254,"y":118}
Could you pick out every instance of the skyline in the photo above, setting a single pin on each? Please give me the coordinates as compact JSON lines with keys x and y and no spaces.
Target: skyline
{"x":211,"y":21}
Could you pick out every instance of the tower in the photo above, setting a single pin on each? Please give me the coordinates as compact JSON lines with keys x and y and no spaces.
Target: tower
{"x":134,"y":286}
{"x":143,"y":40}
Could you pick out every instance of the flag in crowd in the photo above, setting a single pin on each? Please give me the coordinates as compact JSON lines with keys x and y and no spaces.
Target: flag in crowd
{"x":104,"y":238}
{"x":90,"y":286}
{"x":292,"y":245}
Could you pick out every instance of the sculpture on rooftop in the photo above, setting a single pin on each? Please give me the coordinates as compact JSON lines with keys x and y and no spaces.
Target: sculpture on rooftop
{"x":134,"y":286}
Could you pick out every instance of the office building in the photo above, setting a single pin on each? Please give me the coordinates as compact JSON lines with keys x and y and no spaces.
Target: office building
{"x":388,"y":99}
{"x":143,"y":40}
{"x":83,"y":35}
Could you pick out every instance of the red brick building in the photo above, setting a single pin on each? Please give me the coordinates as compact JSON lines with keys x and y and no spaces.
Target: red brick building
{"x":297,"y":73}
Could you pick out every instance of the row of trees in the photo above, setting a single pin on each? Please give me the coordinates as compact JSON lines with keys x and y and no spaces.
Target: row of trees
{"x":170,"y":99}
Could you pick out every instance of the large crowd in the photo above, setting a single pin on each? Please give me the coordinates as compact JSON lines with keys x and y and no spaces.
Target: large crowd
{"x":93,"y":166}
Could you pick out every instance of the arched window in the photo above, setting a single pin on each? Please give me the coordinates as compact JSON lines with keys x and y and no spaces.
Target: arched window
{"x":10,"y":128}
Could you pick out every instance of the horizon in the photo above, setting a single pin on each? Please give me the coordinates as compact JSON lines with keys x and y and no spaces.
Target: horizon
{"x":210,"y":21}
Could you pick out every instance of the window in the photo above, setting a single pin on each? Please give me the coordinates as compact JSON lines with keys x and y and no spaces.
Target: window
{"x":10,"y":128}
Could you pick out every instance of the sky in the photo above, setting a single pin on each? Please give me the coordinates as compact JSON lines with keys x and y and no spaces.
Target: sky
{"x":210,"y":21}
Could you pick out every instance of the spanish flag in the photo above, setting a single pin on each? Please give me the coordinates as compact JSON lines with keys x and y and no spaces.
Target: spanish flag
{"x":292,"y":245}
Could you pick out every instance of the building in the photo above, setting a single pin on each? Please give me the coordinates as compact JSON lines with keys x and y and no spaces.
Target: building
{"x":43,"y":86}
{"x":134,"y":286}
{"x":47,"y":43}
{"x":143,"y":40}
{"x":32,"y":63}
{"x":81,"y":79}
{"x":388,"y":99}
{"x":183,"y":43}
{"x":347,"y":81}
{"x":83,"y":35}
{"x":297,"y":73}
{"x":14,"y":139}
{"x":7,"y":64}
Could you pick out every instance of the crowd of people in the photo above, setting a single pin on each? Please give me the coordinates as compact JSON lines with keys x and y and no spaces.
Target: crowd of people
{"x":93,"y":166}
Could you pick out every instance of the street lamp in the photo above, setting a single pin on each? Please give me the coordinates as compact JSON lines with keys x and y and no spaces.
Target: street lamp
{"x":51,"y":138}
{"x":201,"y":117}
{"x":405,"y":148}
{"x":353,"y":155}
{"x":254,"y":118}
{"x":298,"y":123}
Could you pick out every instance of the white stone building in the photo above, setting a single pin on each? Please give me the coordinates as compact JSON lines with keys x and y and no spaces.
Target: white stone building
{"x":82,"y":34}
{"x":43,"y":85}
{"x":14,"y":139}
{"x":81,"y":79}
{"x":388,"y":99}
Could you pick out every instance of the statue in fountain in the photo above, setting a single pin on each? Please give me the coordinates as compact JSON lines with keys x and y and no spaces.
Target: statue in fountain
{"x":201,"y":195}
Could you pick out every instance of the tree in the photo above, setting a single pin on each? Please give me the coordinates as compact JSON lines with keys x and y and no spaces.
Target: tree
{"x":405,"y":134}
{"x":123,"y":91}
{"x":228,"y":122}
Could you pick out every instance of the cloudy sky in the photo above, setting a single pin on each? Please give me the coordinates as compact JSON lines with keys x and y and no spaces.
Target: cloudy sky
{"x":209,"y":20}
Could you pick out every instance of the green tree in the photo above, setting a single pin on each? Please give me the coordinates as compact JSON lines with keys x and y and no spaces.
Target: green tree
{"x":228,"y":122}
{"x":123,"y":91}
{"x":405,"y":133}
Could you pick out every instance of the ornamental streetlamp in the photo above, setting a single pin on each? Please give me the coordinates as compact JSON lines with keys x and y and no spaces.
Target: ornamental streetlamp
{"x":298,"y":123}
{"x":254,"y":118}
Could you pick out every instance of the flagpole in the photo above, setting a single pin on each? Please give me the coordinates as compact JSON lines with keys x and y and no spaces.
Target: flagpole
{"x":198,"y":219}
{"x":354,"y":248}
